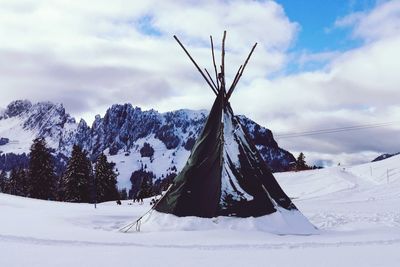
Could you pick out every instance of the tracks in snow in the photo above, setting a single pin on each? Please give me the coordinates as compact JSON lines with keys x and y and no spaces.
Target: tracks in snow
{"x":300,"y":245}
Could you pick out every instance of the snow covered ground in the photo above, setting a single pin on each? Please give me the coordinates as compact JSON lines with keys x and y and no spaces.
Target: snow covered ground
{"x":357,"y":210}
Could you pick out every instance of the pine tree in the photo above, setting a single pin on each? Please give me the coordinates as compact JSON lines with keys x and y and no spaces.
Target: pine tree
{"x":25,"y":183}
{"x":77,"y":178}
{"x":301,"y":162}
{"x":147,"y":150}
{"x":17,"y":184}
{"x":41,"y":171}
{"x":142,"y":184}
{"x":3,"y":182}
{"x":123,"y":194}
{"x":105,"y":180}
{"x":12,"y":182}
{"x":60,"y":187}
{"x":146,"y":188}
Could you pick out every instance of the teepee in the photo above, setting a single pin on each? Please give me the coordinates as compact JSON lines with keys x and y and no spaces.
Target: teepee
{"x":225,"y":174}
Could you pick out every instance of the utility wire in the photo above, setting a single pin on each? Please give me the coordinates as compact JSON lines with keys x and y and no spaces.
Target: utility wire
{"x":336,"y":130}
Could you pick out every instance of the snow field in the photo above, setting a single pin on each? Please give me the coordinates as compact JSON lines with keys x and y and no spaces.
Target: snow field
{"x":357,"y":214}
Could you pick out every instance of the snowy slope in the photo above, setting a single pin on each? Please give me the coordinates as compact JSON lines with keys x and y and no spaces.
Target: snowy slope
{"x":23,"y":121}
{"x":160,"y":164}
{"x":357,"y":214}
{"x":380,"y":176}
{"x":20,"y":139}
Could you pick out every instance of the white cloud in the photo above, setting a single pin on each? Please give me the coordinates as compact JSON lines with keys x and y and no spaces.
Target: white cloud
{"x":306,"y":57}
{"x":91,"y":54}
{"x":99,"y":48}
{"x":381,"y":22}
{"x":264,"y":22}
{"x":360,"y":86}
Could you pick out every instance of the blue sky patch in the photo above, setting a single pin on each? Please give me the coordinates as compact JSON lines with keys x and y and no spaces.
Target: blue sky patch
{"x":144,"y":25}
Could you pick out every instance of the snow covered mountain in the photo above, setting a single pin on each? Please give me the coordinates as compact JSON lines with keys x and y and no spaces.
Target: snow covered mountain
{"x":158,"y":143}
{"x":385,"y":156}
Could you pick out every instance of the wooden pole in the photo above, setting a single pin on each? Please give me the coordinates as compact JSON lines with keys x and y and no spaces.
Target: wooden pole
{"x":197,"y":66}
{"x":233,"y":86}
{"x":213,"y":58}
{"x":212,"y":81}
{"x":223,"y":63}
{"x":234,"y":81}
{"x":95,"y":190}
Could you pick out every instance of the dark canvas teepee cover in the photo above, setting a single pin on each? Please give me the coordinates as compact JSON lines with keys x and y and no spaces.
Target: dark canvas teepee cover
{"x":225,"y":174}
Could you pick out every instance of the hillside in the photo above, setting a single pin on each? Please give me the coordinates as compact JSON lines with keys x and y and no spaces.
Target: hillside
{"x":385,"y":156}
{"x":355,"y":209}
{"x":121,"y":134}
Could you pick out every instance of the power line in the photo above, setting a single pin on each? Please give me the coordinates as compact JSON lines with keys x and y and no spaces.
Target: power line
{"x":341,"y":128}
{"x":336,"y":130}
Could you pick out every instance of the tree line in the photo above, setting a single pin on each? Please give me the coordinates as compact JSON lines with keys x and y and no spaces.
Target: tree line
{"x":81,"y":181}
{"x":84,"y":182}
{"x":301,"y":164}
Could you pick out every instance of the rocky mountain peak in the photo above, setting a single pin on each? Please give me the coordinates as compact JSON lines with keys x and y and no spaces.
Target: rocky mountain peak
{"x":124,"y":133}
{"x":16,"y":108}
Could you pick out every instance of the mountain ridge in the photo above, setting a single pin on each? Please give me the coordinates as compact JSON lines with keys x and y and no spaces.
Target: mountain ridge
{"x":121,"y":134}
{"x":385,"y":156}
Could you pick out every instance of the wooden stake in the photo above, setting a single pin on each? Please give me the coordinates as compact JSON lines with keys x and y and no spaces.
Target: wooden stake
{"x":233,"y":86}
{"x":213,"y":58}
{"x":197,"y":66}
{"x":209,"y":76}
{"x":234,"y":81}
{"x":223,"y":63}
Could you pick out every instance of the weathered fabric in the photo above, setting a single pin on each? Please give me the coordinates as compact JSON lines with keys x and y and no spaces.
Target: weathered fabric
{"x":225,"y":174}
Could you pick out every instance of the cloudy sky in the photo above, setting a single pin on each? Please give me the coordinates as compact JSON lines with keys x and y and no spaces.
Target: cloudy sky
{"x":319,"y":65}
